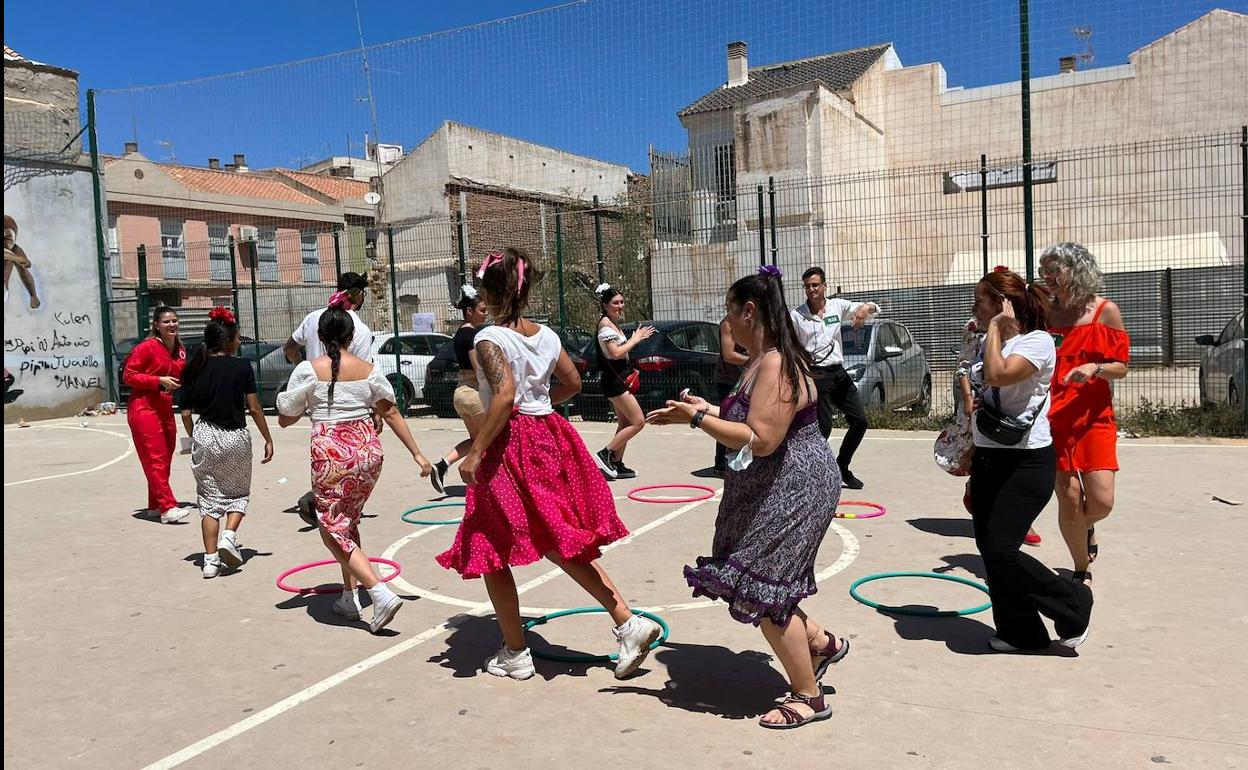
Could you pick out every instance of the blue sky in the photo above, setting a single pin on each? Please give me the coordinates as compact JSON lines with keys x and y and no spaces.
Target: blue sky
{"x":599,"y":78}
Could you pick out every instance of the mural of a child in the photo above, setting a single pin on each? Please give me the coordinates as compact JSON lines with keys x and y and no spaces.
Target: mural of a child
{"x":15,"y":258}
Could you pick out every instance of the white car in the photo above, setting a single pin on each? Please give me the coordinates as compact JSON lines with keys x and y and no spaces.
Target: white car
{"x":416,"y":350}
{"x":1222,"y":364}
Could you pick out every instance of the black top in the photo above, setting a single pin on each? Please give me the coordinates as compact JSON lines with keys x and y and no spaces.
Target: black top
{"x":464,"y":337}
{"x":218,"y":393}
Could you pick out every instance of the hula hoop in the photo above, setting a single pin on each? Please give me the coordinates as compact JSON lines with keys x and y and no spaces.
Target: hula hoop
{"x":879,"y":510}
{"x":933,"y":613}
{"x":582,"y":657}
{"x":281,"y":579}
{"x":633,"y":495}
{"x":431,"y":522}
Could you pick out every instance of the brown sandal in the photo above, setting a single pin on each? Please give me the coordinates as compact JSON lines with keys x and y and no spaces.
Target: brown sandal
{"x":829,"y":654}
{"x":792,"y":718}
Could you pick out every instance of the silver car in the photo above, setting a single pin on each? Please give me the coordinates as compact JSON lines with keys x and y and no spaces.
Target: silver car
{"x":888,"y":366}
{"x":1222,"y":364}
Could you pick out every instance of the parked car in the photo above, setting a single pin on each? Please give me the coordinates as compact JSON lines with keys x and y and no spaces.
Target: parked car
{"x":888,"y":366}
{"x":442,"y":374}
{"x":123,"y":347}
{"x":681,"y":354}
{"x":1222,"y":364}
{"x":416,"y":350}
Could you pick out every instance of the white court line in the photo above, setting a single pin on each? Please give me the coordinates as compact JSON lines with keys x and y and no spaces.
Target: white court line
{"x":329,"y":682}
{"x":114,"y":461}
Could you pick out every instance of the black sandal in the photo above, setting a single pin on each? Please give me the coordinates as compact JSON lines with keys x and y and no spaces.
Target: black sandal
{"x":1082,"y":576}
{"x":794,"y":719}
{"x":1092,"y":547}
{"x":829,"y":655}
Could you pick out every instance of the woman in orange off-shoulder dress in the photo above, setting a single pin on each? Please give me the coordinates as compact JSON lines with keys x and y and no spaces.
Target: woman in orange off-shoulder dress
{"x":1092,"y":349}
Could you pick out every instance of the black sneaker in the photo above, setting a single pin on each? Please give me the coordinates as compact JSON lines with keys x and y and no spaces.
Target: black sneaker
{"x":606,"y":463}
{"x":850,"y":481}
{"x":622,"y":471}
{"x":438,"y":476}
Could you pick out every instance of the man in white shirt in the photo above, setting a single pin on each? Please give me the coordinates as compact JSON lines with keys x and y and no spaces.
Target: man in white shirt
{"x":818,"y":326}
{"x":305,"y":336}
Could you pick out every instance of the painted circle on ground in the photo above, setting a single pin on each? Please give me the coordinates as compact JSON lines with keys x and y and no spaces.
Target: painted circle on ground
{"x":635,"y":494}
{"x":432,"y":522}
{"x":878,"y":510}
{"x":585,"y":657}
{"x":931,"y":613}
{"x":281,"y":579}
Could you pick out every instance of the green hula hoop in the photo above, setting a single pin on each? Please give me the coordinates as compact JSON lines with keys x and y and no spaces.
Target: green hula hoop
{"x":431,"y":522}
{"x":582,"y":657}
{"x":853,"y":591}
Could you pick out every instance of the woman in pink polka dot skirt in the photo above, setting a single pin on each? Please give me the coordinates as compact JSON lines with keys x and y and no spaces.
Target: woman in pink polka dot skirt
{"x":533,"y":488}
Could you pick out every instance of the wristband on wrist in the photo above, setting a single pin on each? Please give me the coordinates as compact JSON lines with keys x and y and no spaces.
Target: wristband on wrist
{"x":696,"y":422}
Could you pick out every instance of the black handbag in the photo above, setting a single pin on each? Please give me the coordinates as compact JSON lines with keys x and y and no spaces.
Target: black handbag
{"x":1000,"y":427}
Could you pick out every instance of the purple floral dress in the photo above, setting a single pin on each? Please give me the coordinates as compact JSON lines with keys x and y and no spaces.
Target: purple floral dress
{"x":771,"y":522}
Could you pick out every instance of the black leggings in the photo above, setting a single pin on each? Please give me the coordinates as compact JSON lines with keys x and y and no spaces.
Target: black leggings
{"x":837,"y":391}
{"x":1009,"y":488}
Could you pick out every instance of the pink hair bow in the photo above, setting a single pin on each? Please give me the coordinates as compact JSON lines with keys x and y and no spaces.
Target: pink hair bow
{"x":495,"y":257}
{"x":340,"y":300}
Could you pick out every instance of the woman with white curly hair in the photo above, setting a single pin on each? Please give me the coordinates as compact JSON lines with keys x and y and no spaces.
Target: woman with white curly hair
{"x":1092,"y":349}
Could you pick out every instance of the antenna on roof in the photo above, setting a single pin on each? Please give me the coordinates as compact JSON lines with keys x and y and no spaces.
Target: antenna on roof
{"x":1087,"y":55}
{"x":168,"y":145}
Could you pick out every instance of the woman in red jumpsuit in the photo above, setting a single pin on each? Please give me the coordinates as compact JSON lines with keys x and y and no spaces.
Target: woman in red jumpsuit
{"x":152,"y":371}
{"x":1092,"y":349}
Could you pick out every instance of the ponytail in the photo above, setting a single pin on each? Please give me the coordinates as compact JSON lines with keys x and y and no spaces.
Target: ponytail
{"x":335,"y":363}
{"x":1030,"y":301}
{"x":335,"y":330}
{"x":507,"y":277}
{"x":220,"y":331}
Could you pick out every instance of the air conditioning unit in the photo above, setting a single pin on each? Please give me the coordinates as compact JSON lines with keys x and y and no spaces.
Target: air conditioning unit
{"x":248,"y":233}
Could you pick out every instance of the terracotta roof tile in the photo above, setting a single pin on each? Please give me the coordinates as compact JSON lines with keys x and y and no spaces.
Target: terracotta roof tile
{"x":243,"y":185}
{"x":336,"y":187}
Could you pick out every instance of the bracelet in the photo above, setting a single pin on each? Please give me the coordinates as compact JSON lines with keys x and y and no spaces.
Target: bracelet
{"x":696,"y":422}
{"x":1099,"y":368}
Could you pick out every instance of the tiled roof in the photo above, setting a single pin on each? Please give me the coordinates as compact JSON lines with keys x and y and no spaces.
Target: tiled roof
{"x":241,"y":184}
{"x":837,"y":71}
{"x":9,"y":53}
{"x":336,"y":187}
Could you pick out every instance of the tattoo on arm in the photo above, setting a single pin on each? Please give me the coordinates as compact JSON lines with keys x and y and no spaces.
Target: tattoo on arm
{"x":490,"y":358}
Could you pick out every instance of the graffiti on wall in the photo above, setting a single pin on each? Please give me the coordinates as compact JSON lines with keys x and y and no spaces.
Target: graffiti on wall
{"x":53,"y":344}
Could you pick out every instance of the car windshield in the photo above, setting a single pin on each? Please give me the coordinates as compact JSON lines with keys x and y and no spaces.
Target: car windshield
{"x":857,"y":342}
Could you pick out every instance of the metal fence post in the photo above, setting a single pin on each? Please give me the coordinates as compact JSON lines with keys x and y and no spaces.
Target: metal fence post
{"x":461,"y":227}
{"x":771,"y":194}
{"x":1168,"y":309}
{"x":233,"y":275}
{"x":762,"y":232}
{"x":106,"y":314}
{"x":602,"y":267}
{"x":337,"y":256}
{"x":983,"y":208}
{"x":563,"y":308}
{"x":1243,"y":287}
{"x":142,"y":290}
{"x":1024,"y":52}
{"x":255,"y":307}
{"x":401,"y":391}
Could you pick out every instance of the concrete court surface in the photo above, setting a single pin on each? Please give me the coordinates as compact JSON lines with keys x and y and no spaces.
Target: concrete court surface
{"x":118,"y":654}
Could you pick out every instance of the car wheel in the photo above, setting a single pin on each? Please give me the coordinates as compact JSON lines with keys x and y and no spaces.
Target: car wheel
{"x":409,"y":393}
{"x":1232,"y":393}
{"x":924,"y":404}
{"x":876,"y":399}
{"x":1203,"y":388}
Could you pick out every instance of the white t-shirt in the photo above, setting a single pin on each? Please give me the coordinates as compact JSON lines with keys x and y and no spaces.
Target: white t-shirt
{"x":306,"y":335}
{"x":353,"y":399}
{"x":532,"y":361}
{"x":821,"y":335}
{"x":1027,"y":398}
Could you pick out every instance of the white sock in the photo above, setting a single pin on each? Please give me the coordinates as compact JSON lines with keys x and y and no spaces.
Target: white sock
{"x":211,"y":558}
{"x":380,"y":593}
{"x":229,"y":534}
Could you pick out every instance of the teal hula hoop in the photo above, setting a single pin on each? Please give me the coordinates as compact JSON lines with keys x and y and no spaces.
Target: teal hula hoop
{"x":582,"y":657}
{"x":431,"y":522}
{"x":853,"y":591}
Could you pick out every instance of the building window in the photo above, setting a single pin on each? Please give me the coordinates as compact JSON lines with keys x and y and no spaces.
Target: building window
{"x":219,"y":251}
{"x":173,"y":248}
{"x":113,"y":243}
{"x":266,"y":254}
{"x":310,"y":249}
{"x":725,"y":185}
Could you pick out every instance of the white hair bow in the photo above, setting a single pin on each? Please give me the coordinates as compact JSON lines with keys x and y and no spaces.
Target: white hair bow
{"x":601,"y":288}
{"x":469,"y":292}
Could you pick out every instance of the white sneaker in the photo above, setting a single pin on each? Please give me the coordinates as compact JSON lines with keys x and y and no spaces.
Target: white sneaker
{"x":1074,"y":641}
{"x":212,"y":567}
{"x":173,"y":514}
{"x":635,"y":638}
{"x":347,"y":608}
{"x":517,"y":665}
{"x":1001,"y":646}
{"x":384,"y":612}
{"x":227,"y":549}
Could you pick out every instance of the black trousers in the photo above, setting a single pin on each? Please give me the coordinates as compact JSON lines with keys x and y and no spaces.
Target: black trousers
{"x":836,"y":390}
{"x":1009,"y":488}
{"x":722,"y":389}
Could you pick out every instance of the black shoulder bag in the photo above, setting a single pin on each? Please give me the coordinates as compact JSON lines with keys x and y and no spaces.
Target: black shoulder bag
{"x":1003,"y":428}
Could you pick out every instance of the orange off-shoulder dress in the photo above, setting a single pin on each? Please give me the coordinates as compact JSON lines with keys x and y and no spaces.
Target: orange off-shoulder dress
{"x":1081,"y":414}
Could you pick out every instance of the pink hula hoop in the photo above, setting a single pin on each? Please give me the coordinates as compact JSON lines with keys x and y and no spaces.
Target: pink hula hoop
{"x":879,"y":510}
{"x":633,"y":495}
{"x":281,"y":579}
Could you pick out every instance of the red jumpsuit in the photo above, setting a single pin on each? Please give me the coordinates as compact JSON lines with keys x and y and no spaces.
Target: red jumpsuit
{"x":150,"y":415}
{"x":1081,"y":415}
